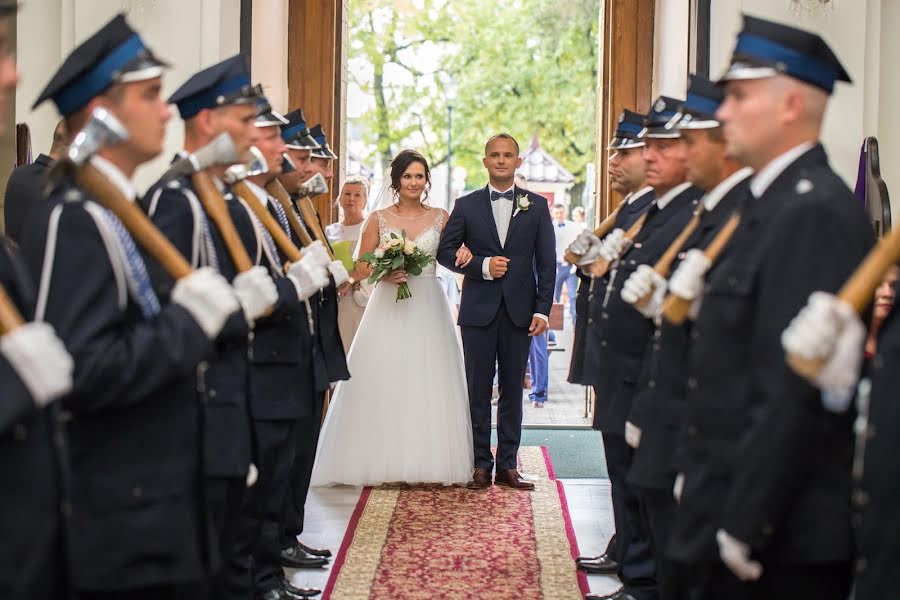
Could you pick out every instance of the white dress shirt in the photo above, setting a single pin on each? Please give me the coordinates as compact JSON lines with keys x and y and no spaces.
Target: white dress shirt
{"x":711,"y":200}
{"x":502,"y":209}
{"x":776,"y":167}
{"x":115,"y":177}
{"x":565,"y":232}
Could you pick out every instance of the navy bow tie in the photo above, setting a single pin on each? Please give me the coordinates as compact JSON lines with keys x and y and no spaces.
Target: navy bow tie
{"x":508,"y":194}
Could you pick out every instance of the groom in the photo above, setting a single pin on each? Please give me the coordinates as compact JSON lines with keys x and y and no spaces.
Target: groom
{"x":507,"y":295}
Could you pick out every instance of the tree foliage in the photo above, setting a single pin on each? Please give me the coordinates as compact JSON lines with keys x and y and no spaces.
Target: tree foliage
{"x":522,"y":66}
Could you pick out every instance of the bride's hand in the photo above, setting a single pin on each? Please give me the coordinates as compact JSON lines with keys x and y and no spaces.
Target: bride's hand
{"x":463,"y":256}
{"x":396,"y":277}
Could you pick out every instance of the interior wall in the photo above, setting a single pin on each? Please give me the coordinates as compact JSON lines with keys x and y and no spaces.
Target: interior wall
{"x":189,"y":35}
{"x":670,"y":49}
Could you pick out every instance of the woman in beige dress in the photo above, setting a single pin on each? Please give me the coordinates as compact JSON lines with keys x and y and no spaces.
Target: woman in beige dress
{"x":343,"y":236}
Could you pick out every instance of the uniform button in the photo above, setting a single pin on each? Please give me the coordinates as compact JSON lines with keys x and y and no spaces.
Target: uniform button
{"x":732,"y":281}
{"x":603,"y":343}
{"x":695,"y":335}
{"x":287,"y":318}
{"x":651,"y":384}
{"x":860,"y":498}
{"x":657,"y":333}
{"x":692,"y":430}
{"x":590,"y":320}
{"x":692,"y":383}
{"x":212,"y":393}
{"x":59,"y":440}
{"x":137,"y":491}
{"x":862,"y":564}
{"x":590,"y":297}
{"x":656,"y":346}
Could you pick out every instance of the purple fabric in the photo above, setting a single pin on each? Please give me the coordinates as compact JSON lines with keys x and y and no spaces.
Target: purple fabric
{"x":860,"y":191}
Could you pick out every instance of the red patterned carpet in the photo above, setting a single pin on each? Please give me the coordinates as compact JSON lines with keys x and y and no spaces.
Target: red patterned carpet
{"x":452,"y":543}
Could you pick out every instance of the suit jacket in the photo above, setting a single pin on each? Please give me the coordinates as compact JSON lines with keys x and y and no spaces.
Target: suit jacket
{"x":658,"y":407}
{"x":223,"y":381}
{"x":134,"y":425}
{"x":589,"y":304}
{"x":24,"y":187}
{"x":762,"y":458}
{"x":33,"y":468}
{"x":530,"y":246}
{"x":624,"y":332}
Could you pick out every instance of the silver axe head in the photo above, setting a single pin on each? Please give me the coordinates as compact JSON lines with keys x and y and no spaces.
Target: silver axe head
{"x":256,"y":166}
{"x":220,"y":151}
{"x":101,"y":130}
{"x":313,"y":186}
{"x":287,"y":166}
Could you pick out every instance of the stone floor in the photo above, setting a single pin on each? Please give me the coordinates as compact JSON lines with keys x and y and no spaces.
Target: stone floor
{"x":328,"y":511}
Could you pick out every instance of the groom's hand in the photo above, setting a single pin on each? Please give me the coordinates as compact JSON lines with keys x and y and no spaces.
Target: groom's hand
{"x":498,"y":266}
{"x":538,"y":326}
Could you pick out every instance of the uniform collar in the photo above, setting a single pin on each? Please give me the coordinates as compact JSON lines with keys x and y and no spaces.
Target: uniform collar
{"x":711,"y":200}
{"x":764,"y":178}
{"x":666,"y":198}
{"x":632,"y":197}
{"x":115,"y":176}
{"x":259,"y":192}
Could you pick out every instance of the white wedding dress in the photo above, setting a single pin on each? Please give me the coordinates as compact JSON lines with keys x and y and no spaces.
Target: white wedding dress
{"x":403,"y":416}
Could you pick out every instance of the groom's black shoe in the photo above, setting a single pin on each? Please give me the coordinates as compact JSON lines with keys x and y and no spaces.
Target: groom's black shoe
{"x":295,"y":558}
{"x":481,"y":480}
{"x":511,"y":478}
{"x":321,"y":552}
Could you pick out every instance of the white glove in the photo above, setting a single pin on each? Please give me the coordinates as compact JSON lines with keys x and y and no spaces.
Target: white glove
{"x":208,"y":297}
{"x":736,"y":556}
{"x":613,"y":245}
{"x":827,"y":329}
{"x":583,"y":242}
{"x":252,"y":476}
{"x":40,"y":360}
{"x":317,"y":253}
{"x":307,"y":277}
{"x":688,"y":279}
{"x":678,"y":488}
{"x":338,"y":272}
{"x":589,"y":257}
{"x":632,"y":435}
{"x":643,"y":283}
{"x":255,"y":291}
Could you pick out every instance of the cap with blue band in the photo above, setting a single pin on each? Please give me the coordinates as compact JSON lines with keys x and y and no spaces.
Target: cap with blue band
{"x":296,"y":133}
{"x":700,"y":106}
{"x":660,"y":121}
{"x":627,"y":131}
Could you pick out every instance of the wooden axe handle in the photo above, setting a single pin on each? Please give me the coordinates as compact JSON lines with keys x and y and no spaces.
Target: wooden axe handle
{"x":278,"y":192}
{"x":600,"y":267}
{"x":10,"y":317}
{"x":857,"y":291}
{"x":262,"y":213}
{"x":602,"y":229}
{"x":215,"y":207}
{"x":675,"y":308}
{"x":312,"y":219}
{"x":135,"y":221}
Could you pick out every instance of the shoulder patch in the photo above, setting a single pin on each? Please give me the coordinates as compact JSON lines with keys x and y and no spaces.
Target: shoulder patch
{"x":803,"y":186}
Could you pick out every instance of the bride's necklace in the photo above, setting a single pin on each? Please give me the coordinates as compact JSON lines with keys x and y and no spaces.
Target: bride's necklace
{"x":397,"y":214}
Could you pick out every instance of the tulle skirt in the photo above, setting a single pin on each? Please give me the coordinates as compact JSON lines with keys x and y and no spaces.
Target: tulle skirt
{"x":403,"y":416}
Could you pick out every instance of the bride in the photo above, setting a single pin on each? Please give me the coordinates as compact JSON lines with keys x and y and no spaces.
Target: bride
{"x":404,"y":414}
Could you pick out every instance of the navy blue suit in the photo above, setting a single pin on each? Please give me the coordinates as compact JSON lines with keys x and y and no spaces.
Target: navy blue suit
{"x":494,"y":315}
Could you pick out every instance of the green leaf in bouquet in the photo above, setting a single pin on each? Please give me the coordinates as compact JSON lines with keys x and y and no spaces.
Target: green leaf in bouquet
{"x":397,"y":262}
{"x":414,"y":269}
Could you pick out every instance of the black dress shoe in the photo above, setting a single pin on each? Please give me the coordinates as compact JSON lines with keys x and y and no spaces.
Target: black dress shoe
{"x":292,"y":591}
{"x":601,"y":565}
{"x":295,"y":558}
{"x":320,"y":552}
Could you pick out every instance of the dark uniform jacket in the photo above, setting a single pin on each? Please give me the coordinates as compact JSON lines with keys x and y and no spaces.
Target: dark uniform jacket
{"x":659,"y":403}
{"x":33,"y":472}
{"x":283,"y":374}
{"x":25,"y":187}
{"x":762,"y":458}
{"x":876,"y":494}
{"x":222,"y":381}
{"x":134,"y":415}
{"x":624,"y":332}
{"x":589,"y":301}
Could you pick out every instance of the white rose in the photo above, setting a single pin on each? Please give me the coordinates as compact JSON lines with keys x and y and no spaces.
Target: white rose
{"x":379,"y":252}
{"x":409,"y":247}
{"x":395,"y":242}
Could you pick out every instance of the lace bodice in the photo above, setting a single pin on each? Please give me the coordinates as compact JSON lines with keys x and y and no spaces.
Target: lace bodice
{"x":424,"y":230}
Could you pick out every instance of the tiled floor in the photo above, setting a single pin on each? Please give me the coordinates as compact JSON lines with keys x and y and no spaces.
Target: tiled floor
{"x":328,"y":511}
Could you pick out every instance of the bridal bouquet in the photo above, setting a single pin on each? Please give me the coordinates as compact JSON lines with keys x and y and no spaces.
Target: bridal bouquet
{"x":396,"y":253}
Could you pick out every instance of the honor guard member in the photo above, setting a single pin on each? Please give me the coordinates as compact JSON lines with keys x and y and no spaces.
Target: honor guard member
{"x":35,"y":370}
{"x":282,"y":373}
{"x":295,"y":554}
{"x":659,"y":403}
{"x":766,"y":467}
{"x":335,"y":358}
{"x":626,"y":175}
{"x":625,"y":333}
{"x":137,"y":525}
{"x":216,"y":100}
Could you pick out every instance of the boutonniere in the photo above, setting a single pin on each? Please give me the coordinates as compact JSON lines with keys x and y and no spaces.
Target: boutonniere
{"x":522,"y":203}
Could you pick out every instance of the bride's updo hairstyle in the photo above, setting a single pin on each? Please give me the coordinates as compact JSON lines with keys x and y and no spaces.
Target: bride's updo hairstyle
{"x":399,"y":165}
